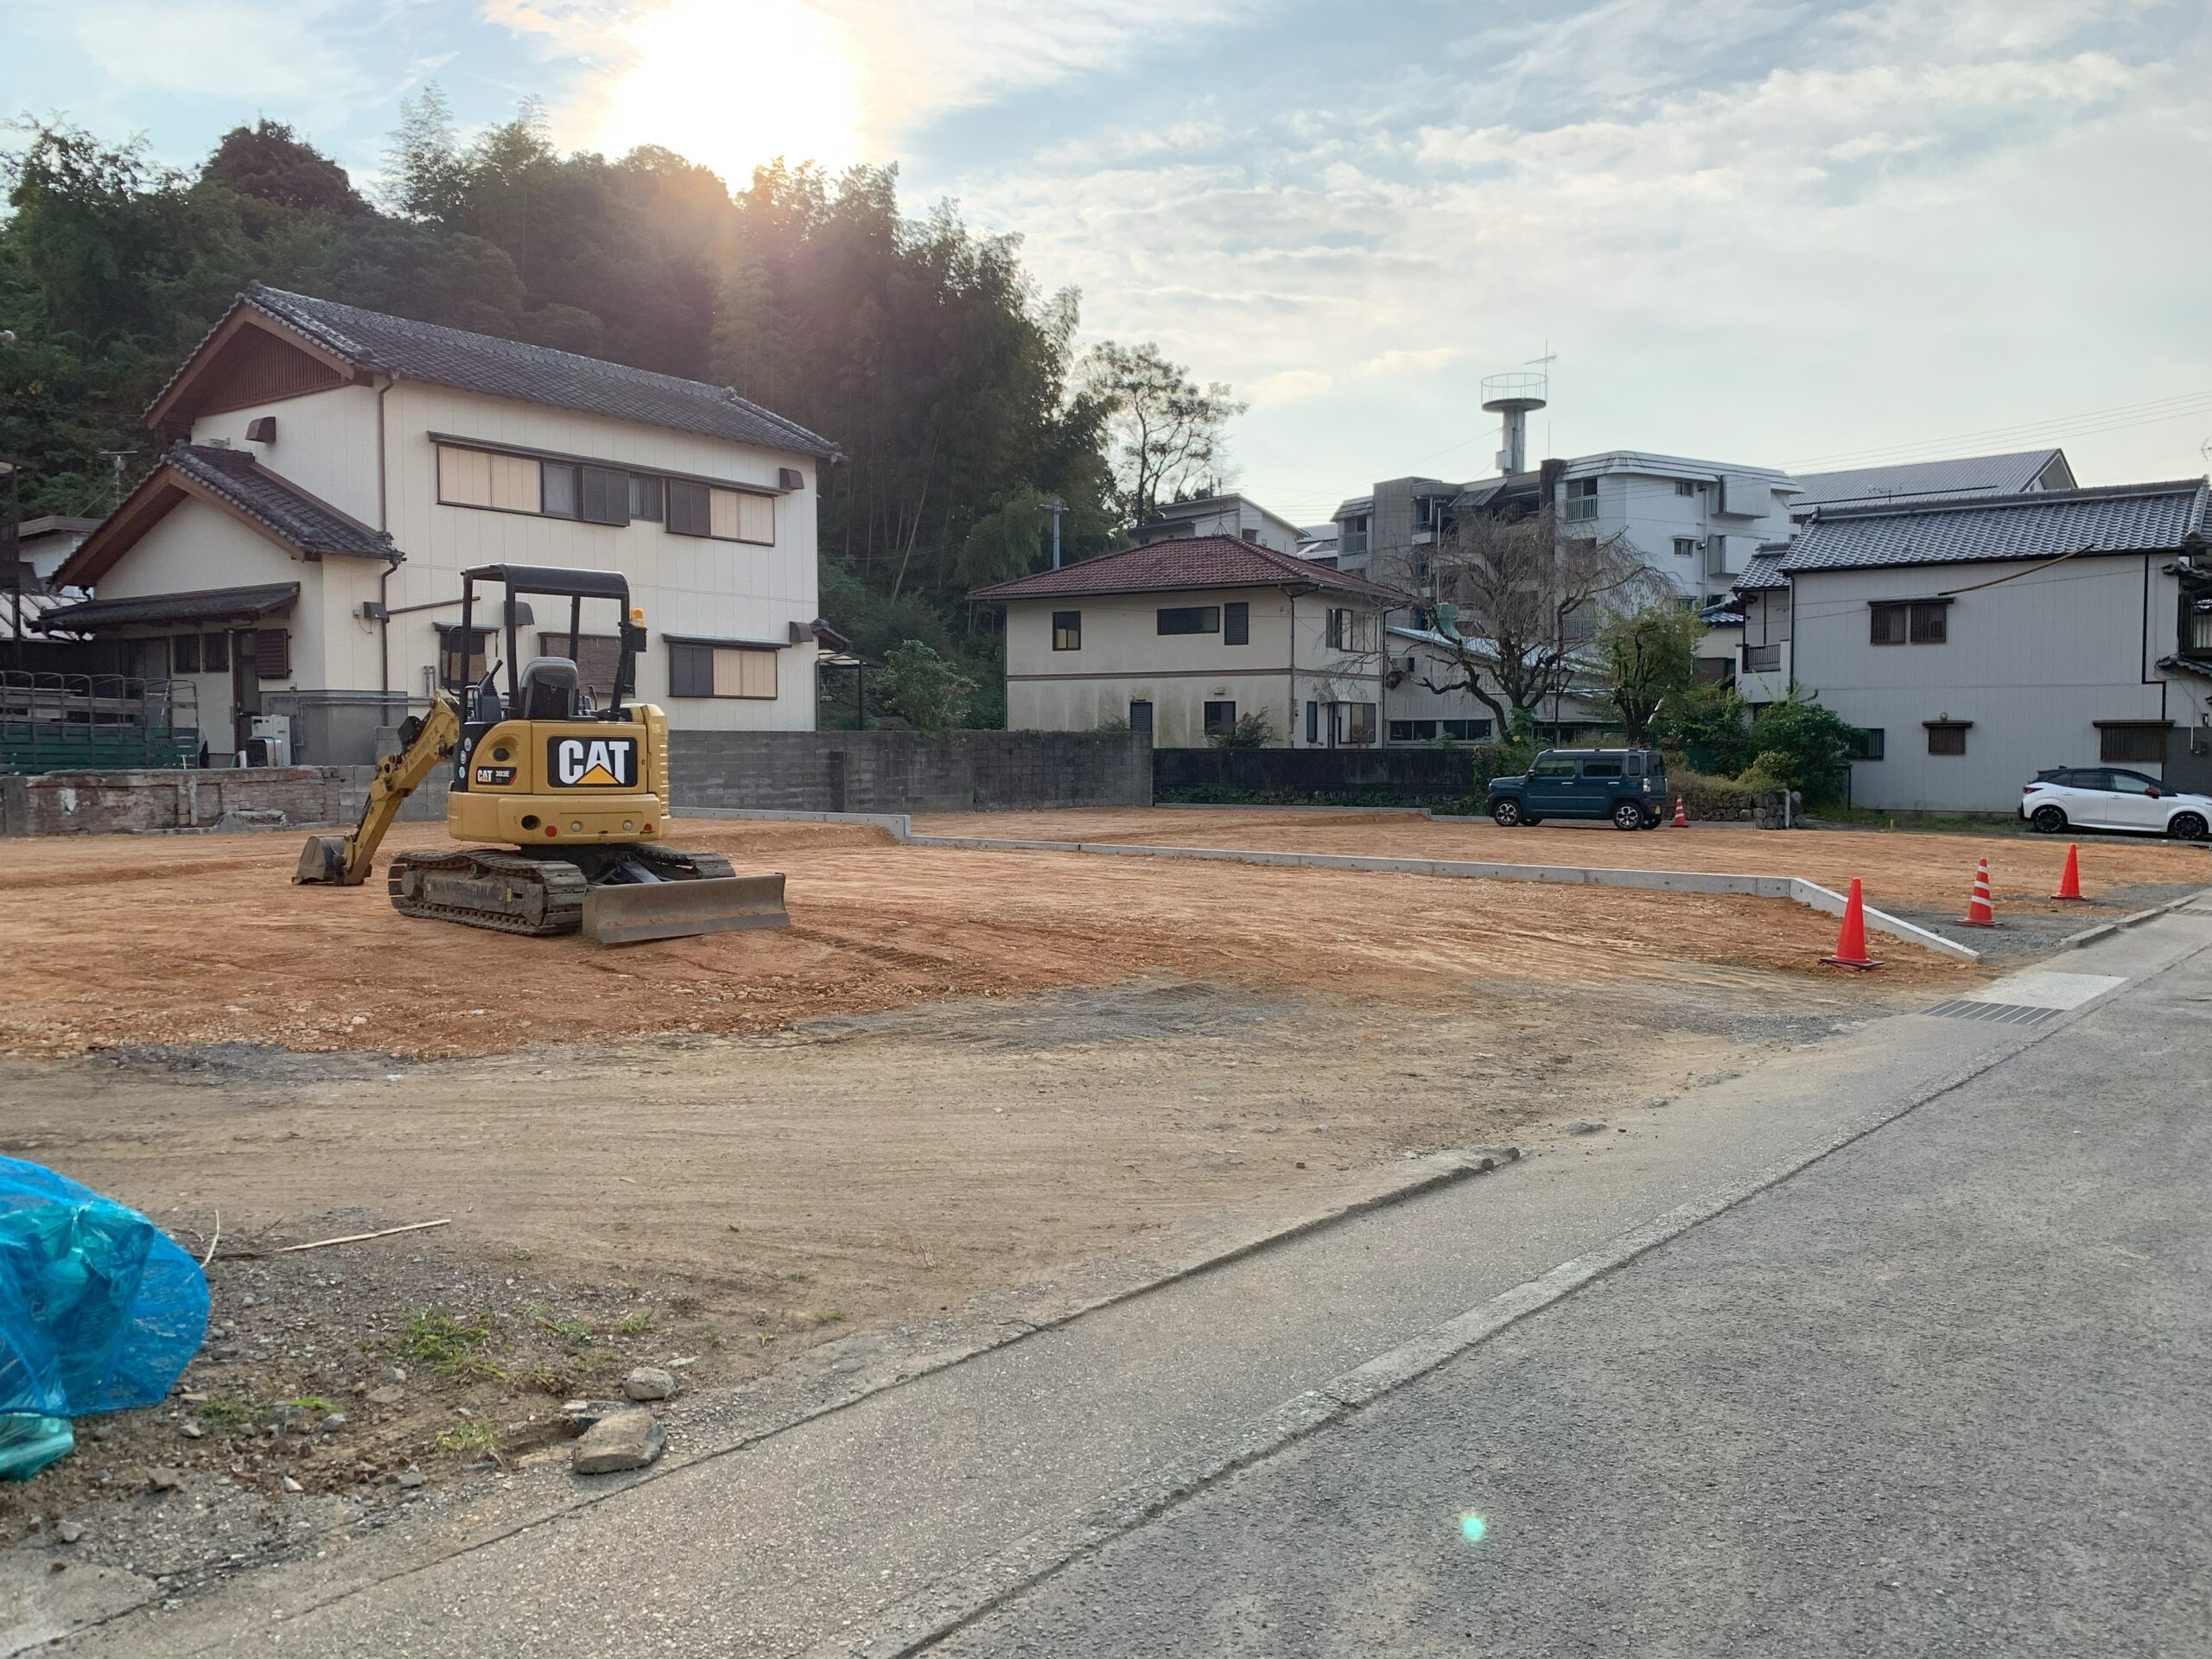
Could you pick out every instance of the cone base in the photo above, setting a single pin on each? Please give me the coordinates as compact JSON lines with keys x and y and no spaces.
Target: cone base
{"x":1974,"y":921}
{"x":1862,"y":964}
{"x":2068,"y":899}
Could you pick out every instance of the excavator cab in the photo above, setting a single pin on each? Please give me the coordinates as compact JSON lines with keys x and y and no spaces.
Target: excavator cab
{"x":571,"y":790}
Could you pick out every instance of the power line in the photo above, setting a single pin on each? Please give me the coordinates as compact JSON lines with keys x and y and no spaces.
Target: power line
{"x":2087,"y":422}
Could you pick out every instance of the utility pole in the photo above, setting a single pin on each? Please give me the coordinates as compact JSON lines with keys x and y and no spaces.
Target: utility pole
{"x":115,"y":459}
{"x":1056,"y":508}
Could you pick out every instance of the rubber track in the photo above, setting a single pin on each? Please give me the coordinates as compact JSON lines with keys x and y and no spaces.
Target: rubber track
{"x":698,"y":867}
{"x":564,"y":888}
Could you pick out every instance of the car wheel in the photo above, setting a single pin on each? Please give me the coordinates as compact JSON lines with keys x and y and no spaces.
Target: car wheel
{"x":2187,"y":826}
{"x":1628,"y":815}
{"x":1507,"y":813}
{"x":1652,"y":820}
{"x":2049,"y":819}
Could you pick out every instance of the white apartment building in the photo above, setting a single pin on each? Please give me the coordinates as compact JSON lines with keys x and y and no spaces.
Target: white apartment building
{"x":1219,"y":515}
{"x":1183,"y":638}
{"x":296,"y":556}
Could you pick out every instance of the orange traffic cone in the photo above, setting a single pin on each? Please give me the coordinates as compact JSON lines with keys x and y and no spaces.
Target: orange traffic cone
{"x":1851,"y":940}
{"x":1682,"y":818}
{"x":1978,"y":913}
{"x":2069,"y":885}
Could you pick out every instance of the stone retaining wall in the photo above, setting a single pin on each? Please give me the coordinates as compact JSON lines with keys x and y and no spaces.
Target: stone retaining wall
{"x":903,"y":772}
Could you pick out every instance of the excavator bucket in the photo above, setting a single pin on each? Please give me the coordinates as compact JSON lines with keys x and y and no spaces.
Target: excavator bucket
{"x":322,"y":862}
{"x":628,"y":912}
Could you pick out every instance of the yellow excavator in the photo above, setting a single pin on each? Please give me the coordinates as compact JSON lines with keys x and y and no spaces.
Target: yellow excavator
{"x":575,"y":795}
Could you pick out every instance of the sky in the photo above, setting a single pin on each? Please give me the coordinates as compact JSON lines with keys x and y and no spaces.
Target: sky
{"x":1798,"y":235}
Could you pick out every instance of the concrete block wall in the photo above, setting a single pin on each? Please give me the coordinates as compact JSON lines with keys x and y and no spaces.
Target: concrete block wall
{"x":145,"y":802}
{"x":903,"y":772}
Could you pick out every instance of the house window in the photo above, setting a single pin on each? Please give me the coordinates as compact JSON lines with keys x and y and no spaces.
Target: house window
{"x":1237,"y":623}
{"x":1221,"y":719}
{"x":1067,"y":630}
{"x":1581,"y":499}
{"x":184,"y":654}
{"x":708,"y":670}
{"x":2132,"y":742}
{"x":1349,"y":630}
{"x":602,"y":496}
{"x":2196,"y":623}
{"x":1762,"y":659}
{"x":272,"y":654}
{"x":645,"y":498}
{"x":1467,"y":731}
{"x":557,"y":491}
{"x":722,"y":515}
{"x":1869,"y":744}
{"x":1140,"y":716}
{"x":1412,"y":731}
{"x":214,"y":653}
{"x":1312,"y":722}
{"x":452,"y":672}
{"x":1920,"y":622}
{"x":1360,"y":724}
{"x":597,"y":656}
{"x":1351,"y":540}
{"x":1189,"y":618}
{"x":1685,"y":547}
{"x":146,"y":659}
{"x":476,"y":478}
{"x":1946,"y":736}
{"x":1684,"y":486}
{"x":1711,"y":671}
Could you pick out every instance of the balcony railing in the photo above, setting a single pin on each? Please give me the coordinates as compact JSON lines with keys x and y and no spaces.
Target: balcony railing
{"x":1762,"y":659}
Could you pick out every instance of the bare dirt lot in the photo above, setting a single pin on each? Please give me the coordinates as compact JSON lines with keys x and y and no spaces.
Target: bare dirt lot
{"x":1901,"y":871}
{"x":203,"y":939}
{"x":955,"y":1073}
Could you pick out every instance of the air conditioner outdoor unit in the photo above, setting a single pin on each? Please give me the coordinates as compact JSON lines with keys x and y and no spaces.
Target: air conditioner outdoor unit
{"x":1394,"y":678}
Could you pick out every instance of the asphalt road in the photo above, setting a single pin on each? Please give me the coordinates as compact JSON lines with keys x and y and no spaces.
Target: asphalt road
{"x":1944,"y":1392}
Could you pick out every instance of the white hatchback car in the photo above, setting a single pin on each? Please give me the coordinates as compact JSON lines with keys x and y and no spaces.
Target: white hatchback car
{"x":2110,"y":797}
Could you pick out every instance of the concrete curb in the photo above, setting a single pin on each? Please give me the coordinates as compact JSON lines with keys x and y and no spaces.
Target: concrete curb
{"x":1795,"y":888}
{"x":953,"y":1604}
{"x":901,"y":824}
{"x":2106,"y":930}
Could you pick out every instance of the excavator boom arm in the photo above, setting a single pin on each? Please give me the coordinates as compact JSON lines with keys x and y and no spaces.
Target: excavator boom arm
{"x":345,"y":861}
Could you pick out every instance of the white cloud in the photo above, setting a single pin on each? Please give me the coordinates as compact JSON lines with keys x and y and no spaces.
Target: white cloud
{"x":284,"y":60}
{"x":1289,"y":386}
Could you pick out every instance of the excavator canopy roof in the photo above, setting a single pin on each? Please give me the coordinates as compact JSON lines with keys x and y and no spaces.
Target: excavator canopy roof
{"x":552,"y":579}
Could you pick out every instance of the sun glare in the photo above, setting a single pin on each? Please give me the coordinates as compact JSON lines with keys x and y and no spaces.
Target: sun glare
{"x":734,"y":83}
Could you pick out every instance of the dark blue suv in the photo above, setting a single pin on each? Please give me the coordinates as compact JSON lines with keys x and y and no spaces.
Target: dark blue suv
{"x":1627,"y":786}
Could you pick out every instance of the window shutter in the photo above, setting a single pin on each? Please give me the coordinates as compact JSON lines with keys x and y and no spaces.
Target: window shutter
{"x":691,"y":668}
{"x":515,"y":484}
{"x":756,"y":519}
{"x":272,"y":654}
{"x":689,"y":512}
{"x":604,"y":497}
{"x":1237,"y":623}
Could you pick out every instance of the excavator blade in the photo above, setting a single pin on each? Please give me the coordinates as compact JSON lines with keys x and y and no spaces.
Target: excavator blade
{"x":322,"y":862}
{"x":627,"y":913}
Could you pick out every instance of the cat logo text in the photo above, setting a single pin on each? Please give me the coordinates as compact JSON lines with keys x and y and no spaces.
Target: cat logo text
{"x":593,"y":762}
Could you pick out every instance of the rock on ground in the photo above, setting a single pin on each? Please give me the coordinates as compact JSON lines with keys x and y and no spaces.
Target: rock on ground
{"x":621,"y":1439}
{"x":650,"y":1383}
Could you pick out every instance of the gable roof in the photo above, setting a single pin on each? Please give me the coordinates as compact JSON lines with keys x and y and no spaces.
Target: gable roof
{"x":1762,"y":572}
{"x":236,"y":482}
{"x":2008,"y":475}
{"x":2123,"y":518}
{"x":1189,"y":561}
{"x":376,"y":343}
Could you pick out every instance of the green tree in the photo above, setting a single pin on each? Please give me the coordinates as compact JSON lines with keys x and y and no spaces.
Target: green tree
{"x":1647,"y":656}
{"x":931,"y":694}
{"x":1803,"y":744}
{"x":269,"y":162}
{"x":1712,"y":725}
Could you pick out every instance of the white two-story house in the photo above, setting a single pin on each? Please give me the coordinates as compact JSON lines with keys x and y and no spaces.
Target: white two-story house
{"x":1184,"y":638}
{"x":295,"y":555}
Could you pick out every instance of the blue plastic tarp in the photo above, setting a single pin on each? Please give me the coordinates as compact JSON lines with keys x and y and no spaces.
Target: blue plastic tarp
{"x":100,"y":1311}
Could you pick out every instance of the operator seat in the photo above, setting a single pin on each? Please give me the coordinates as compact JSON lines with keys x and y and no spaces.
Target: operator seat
{"x":548,"y":688}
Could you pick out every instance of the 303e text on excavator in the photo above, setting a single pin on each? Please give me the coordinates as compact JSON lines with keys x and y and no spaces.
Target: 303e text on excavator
{"x":569,"y":789}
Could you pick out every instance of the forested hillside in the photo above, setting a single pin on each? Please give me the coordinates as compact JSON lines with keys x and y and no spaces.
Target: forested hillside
{"x":916,"y":345}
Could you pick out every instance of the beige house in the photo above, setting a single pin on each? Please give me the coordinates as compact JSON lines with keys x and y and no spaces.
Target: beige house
{"x":1184,"y":638}
{"x":295,"y":556}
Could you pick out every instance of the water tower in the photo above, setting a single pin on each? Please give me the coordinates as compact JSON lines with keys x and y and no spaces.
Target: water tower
{"x":1513,"y":396}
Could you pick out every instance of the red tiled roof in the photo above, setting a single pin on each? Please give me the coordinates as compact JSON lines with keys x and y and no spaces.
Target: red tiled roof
{"x":1192,"y":561}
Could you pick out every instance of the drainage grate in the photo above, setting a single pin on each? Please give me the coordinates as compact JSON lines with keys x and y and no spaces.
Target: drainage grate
{"x":2003,"y":1014}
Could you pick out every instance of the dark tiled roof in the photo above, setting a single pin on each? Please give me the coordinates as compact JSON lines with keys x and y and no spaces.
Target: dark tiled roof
{"x":205,"y":605}
{"x":1192,"y":561}
{"x":286,"y":510}
{"x":1962,"y":475}
{"x":1762,"y":572}
{"x":2134,"y":518}
{"x":1720,"y":616}
{"x":531,"y":374}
